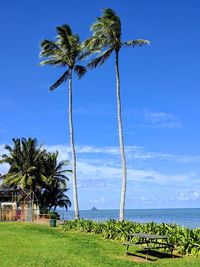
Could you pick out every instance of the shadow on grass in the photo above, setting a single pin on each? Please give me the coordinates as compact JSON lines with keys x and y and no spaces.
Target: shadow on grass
{"x":152,"y":255}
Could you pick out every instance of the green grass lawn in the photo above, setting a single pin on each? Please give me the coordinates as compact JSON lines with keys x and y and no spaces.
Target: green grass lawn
{"x":38,"y":245}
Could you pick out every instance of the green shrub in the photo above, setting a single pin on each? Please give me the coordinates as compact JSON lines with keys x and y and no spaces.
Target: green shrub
{"x":186,"y":241}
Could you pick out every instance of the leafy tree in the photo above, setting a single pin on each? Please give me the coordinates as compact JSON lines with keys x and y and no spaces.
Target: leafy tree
{"x":55,"y":197}
{"x":66,"y":51}
{"x":54,"y":171}
{"x":35,"y":169}
{"x":107,"y":38}
{"x":24,"y":159}
{"x":54,"y":183}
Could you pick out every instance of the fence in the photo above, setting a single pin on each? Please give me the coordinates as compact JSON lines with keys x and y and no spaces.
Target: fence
{"x":22,"y":215}
{"x":27,"y":215}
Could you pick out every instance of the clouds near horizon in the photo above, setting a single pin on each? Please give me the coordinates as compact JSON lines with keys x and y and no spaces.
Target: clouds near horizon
{"x":99,"y":176}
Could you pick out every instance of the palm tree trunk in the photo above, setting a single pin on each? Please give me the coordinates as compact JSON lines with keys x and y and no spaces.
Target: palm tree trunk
{"x":76,"y":209}
{"x":121,"y":142}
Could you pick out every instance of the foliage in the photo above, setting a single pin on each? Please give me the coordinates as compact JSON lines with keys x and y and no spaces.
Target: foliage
{"x":187,"y":241}
{"x":24,"y":159}
{"x":30,"y":245}
{"x":106,"y":38}
{"x":32,"y":167}
{"x":66,"y":51}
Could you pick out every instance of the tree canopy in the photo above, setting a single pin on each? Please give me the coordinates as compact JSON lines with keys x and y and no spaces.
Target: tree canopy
{"x":66,"y":51}
{"x":32,"y":167}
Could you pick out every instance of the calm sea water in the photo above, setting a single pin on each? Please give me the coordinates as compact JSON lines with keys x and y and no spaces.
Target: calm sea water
{"x":186,"y":217}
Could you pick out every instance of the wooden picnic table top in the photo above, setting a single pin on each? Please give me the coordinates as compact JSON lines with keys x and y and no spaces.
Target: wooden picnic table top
{"x":148,"y":236}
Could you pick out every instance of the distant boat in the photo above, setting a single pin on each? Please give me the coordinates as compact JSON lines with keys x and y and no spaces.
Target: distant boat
{"x":94,"y":208}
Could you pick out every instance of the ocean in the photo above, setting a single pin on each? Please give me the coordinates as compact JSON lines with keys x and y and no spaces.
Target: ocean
{"x":185,"y":217}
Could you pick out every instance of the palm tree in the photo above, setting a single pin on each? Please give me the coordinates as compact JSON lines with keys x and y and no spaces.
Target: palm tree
{"x":66,"y":51}
{"x":61,"y":199}
{"x":53,"y":172}
{"x":24,"y":159}
{"x":54,"y":183}
{"x":56,"y":197}
{"x":107,"y":38}
{"x":39,"y":171}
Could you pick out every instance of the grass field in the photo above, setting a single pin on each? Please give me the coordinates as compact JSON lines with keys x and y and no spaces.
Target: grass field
{"x":38,"y":245}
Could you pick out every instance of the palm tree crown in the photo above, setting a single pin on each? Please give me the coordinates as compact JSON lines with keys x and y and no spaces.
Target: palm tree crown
{"x":54,"y":172}
{"x":25,"y":161}
{"x":107,"y":37}
{"x":65,"y":51}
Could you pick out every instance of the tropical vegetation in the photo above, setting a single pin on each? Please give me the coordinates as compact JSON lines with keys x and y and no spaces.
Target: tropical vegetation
{"x":31,"y":167}
{"x":186,"y":241}
{"x":107,"y":39}
{"x":66,"y":51}
{"x":30,"y":245}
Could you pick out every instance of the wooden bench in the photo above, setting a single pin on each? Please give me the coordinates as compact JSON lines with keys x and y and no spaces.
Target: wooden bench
{"x":149,"y":242}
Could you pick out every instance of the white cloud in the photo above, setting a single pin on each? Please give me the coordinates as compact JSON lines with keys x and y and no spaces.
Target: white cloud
{"x":104,"y":172}
{"x":188,"y":195}
{"x":155,"y":117}
{"x":97,"y":150}
{"x":64,"y":151}
{"x":142,"y":117}
{"x":3,"y":167}
{"x":161,"y":120}
{"x":99,"y":172}
{"x":132,"y":152}
{"x":103,"y":164}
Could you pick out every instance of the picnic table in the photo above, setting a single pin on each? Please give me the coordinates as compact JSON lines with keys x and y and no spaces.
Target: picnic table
{"x":149,"y":242}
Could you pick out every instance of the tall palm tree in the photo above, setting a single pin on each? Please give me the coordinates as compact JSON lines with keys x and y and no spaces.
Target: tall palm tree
{"x":107,"y":37}
{"x":66,"y":51}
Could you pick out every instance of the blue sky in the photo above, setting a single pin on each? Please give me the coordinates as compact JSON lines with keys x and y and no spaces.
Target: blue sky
{"x":159,"y":89}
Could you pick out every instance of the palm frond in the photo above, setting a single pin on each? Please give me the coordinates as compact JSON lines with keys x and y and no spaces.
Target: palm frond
{"x":85,"y":53}
{"x":43,"y":178}
{"x":62,"y":79}
{"x":49,"y":45}
{"x":31,"y":168}
{"x":134,"y":43}
{"x":80,"y":71}
{"x":94,"y":44}
{"x":64,"y":30}
{"x":53,"y":62}
{"x":9,"y":148}
{"x":51,"y":54}
{"x":64,"y":34}
{"x":109,"y":13}
{"x":98,"y":61}
{"x":106,"y":31}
